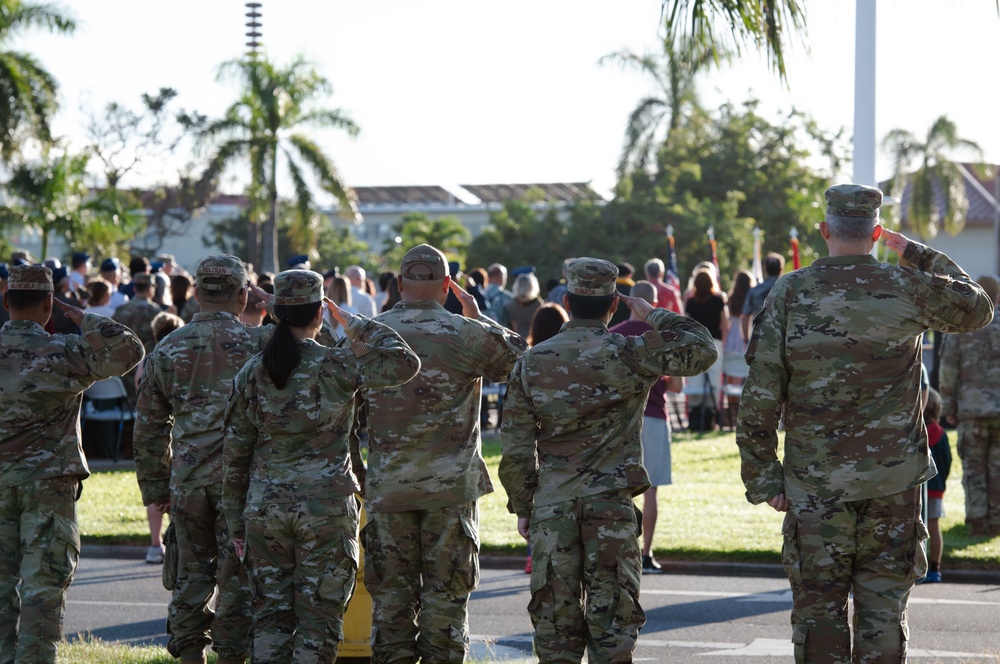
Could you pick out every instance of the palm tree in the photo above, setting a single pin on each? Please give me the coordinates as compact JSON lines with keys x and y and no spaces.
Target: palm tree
{"x":762,"y":22}
{"x":937,"y":188}
{"x":673,"y":72}
{"x":264,"y":126}
{"x":447,"y":233}
{"x":27,"y":90}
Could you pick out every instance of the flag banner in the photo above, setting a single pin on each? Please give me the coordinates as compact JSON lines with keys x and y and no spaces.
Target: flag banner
{"x":713,"y":253}
{"x":796,"y":261}
{"x":672,"y":277}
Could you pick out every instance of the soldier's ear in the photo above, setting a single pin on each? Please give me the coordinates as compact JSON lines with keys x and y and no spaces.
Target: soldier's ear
{"x":876,"y":232}
{"x":824,"y":230}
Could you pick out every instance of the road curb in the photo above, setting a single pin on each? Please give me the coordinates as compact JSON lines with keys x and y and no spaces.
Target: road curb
{"x":985,"y":577}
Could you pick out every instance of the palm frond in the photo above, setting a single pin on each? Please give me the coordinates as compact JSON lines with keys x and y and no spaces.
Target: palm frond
{"x":327,"y":174}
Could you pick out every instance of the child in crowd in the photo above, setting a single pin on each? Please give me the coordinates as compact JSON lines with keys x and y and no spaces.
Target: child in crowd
{"x":937,"y":438}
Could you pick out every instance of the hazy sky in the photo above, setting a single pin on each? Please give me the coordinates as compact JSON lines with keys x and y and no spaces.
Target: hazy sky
{"x":460,"y":91}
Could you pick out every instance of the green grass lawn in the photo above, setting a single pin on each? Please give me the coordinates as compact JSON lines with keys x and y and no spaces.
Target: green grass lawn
{"x":703,"y":515}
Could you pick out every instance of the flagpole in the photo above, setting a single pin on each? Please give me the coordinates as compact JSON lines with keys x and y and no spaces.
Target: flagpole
{"x":758,"y":272}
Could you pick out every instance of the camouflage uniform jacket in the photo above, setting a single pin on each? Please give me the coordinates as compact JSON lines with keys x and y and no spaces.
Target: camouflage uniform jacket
{"x":574,"y":406}
{"x":424,"y":445}
{"x":837,"y":348}
{"x":185,"y":385}
{"x":42,"y":380}
{"x":292,"y":445}
{"x":970,"y":374}
{"x":137,"y":315}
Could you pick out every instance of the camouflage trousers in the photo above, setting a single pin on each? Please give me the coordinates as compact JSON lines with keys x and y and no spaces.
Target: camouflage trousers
{"x":979,"y":448}
{"x":872,"y":548}
{"x":303,"y":560}
{"x":40,"y":547}
{"x":420,"y":567}
{"x":207,"y":570}
{"x":585,"y":571}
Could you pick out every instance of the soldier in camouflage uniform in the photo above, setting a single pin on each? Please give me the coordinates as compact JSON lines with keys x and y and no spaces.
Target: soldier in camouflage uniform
{"x":138,"y":313}
{"x":289,"y":483}
{"x":426,"y":470}
{"x":970,"y":396}
{"x":178,"y":438}
{"x":42,"y":380}
{"x":572,"y":462}
{"x":836,"y":348}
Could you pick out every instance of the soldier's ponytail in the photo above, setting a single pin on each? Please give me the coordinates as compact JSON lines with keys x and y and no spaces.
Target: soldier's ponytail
{"x":281,"y":354}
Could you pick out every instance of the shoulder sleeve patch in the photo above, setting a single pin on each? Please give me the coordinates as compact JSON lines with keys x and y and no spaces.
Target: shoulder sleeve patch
{"x":95,"y":340}
{"x":111,"y":329}
{"x":652,"y":340}
{"x":359,"y":348}
{"x":961,"y":287}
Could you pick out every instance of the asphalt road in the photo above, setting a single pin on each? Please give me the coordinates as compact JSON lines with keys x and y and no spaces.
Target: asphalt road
{"x":702,"y":618}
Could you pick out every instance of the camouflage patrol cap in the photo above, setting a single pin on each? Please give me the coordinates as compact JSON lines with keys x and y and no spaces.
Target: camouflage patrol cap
{"x":30,"y":277}
{"x":220,"y":272}
{"x":297,"y":287}
{"x":423,"y":263}
{"x":142,"y":279}
{"x":592,"y":277}
{"x":853,"y":200}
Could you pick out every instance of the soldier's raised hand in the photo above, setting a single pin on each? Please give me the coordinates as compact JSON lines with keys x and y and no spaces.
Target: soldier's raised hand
{"x":895,"y":241}
{"x":339,"y":315}
{"x":639,"y":306}
{"x":470,"y":308}
{"x":266,"y":299}
{"x":75,"y":314}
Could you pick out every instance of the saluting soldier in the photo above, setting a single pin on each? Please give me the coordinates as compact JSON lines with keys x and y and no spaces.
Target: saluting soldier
{"x":290,"y":485}
{"x":970,"y":396}
{"x":836,"y":348}
{"x":572,"y":461}
{"x":42,"y":466}
{"x":426,"y":469}
{"x":178,"y":440}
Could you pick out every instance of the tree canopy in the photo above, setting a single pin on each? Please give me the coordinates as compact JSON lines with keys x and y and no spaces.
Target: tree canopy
{"x":28,"y":92}
{"x":264,"y":126}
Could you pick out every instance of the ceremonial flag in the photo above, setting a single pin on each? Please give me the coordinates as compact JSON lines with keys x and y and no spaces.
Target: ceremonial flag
{"x":796,"y":262}
{"x":672,"y":277}
{"x":712,"y":248}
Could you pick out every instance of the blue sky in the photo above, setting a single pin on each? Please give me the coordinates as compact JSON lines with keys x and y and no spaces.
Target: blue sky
{"x":452,"y":91}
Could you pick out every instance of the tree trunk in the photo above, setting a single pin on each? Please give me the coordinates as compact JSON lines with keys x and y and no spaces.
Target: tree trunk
{"x":269,"y":234}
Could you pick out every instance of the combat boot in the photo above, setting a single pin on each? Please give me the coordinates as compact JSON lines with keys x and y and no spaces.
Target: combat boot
{"x":977,"y":527}
{"x":194,"y":658}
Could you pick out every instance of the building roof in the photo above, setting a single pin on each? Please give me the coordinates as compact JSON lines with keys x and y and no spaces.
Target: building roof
{"x":979,"y":190}
{"x":555,"y":192}
{"x":405,"y":195}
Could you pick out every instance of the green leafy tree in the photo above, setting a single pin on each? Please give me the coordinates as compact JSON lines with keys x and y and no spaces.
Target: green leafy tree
{"x":446,"y":233}
{"x":519,"y":235}
{"x":937,"y":188}
{"x":765,"y":24}
{"x":673,"y":73}
{"x":730,"y":171}
{"x":266,"y":125}
{"x":51,"y":196}
{"x":124,"y":141}
{"x":28,"y":92}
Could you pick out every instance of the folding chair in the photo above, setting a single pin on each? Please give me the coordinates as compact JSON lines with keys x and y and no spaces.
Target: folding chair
{"x":701,"y":386}
{"x":107,"y":401}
